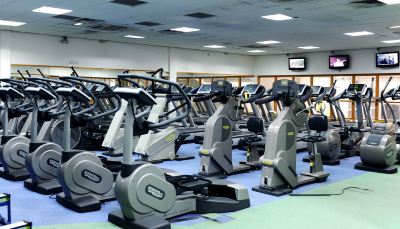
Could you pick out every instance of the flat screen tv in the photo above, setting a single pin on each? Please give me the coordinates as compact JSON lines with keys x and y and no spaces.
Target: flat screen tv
{"x":387,"y":59}
{"x":339,"y":62}
{"x":297,"y":64}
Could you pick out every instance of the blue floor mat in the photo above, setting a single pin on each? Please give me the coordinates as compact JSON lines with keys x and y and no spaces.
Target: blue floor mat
{"x":43,"y":210}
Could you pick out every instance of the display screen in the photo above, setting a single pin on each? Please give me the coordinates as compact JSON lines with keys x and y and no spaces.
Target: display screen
{"x":251,"y":88}
{"x":389,"y":59}
{"x":300,"y":89}
{"x":339,"y":62}
{"x":356,"y":87}
{"x":204,"y":89}
{"x":316,"y":90}
{"x":297,"y":63}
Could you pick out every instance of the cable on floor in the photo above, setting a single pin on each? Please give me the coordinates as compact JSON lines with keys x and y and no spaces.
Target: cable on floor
{"x":331,"y":194}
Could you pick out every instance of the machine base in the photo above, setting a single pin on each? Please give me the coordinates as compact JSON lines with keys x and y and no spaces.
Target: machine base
{"x":388,"y":170}
{"x":47,"y":188}
{"x":346,"y":154}
{"x":177,"y":158}
{"x":81,"y":204}
{"x":19,"y":175}
{"x":324,"y":162}
{"x":148,"y":222}
{"x":273,"y":191}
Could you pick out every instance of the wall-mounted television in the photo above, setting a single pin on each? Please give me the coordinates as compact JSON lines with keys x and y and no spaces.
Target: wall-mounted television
{"x":297,"y":64}
{"x":387,"y":59}
{"x":339,"y":61}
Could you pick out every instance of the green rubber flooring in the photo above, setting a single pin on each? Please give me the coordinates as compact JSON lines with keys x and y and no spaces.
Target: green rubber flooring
{"x":355,"y":209}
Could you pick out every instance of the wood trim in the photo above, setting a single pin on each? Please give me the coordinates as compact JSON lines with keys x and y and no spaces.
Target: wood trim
{"x":81,"y":67}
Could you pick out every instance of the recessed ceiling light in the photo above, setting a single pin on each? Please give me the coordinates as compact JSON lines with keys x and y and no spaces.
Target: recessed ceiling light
{"x":78,"y":23}
{"x":390,"y":2}
{"x":185,"y":29}
{"x":391,"y":41}
{"x":51,"y":10}
{"x":134,"y":37}
{"x":277,"y":17}
{"x":11,"y":23}
{"x":214,"y":46}
{"x":394,"y":27}
{"x":308,"y":47}
{"x":268,"y":42}
{"x":358,"y":34}
{"x":256,"y":51}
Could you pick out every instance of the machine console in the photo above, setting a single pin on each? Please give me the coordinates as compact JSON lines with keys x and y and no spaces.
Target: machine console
{"x":9,"y":91}
{"x":301,"y":88}
{"x":204,"y":89}
{"x":141,"y":96}
{"x":75,"y":93}
{"x":396,"y":93}
{"x":40,"y":92}
{"x":251,"y":89}
{"x":286,"y":88}
{"x":357,"y":88}
{"x":222,"y":87}
{"x":316,"y":90}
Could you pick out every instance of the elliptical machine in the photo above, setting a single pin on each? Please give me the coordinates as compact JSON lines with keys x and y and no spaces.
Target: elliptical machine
{"x":85,"y":181}
{"x":279,"y":175}
{"x":378,"y":149}
{"x":216,"y":152}
{"x":147,"y":195}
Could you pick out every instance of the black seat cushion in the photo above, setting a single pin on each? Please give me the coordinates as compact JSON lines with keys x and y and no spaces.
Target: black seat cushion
{"x":318,"y":123}
{"x":255,"y":125}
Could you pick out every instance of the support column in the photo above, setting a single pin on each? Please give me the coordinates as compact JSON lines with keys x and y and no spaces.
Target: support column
{"x":5,"y":54}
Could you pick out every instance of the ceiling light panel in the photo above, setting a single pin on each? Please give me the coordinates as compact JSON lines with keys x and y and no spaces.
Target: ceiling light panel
{"x":134,"y":37}
{"x":308,"y":47}
{"x":51,"y":10}
{"x":390,"y":2}
{"x":391,"y":41}
{"x":11,"y":23}
{"x":277,"y":17}
{"x":185,"y":29}
{"x":358,"y":34}
{"x":268,"y":42}
{"x":214,"y":46}
{"x":256,"y":51}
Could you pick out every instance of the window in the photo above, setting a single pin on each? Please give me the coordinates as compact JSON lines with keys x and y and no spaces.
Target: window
{"x":367,"y":80}
{"x":267,"y":82}
{"x":194,"y":82}
{"x":342,"y":84}
{"x":207,"y":80}
{"x":234,"y":81}
{"x":247,"y":80}
{"x":394,"y":104}
{"x":303,"y":80}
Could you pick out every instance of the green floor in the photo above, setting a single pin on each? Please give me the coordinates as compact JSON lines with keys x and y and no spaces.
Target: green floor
{"x":354,"y":209}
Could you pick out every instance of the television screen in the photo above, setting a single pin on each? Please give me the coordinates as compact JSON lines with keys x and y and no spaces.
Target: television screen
{"x":297,"y":63}
{"x":388,"y":59}
{"x":339,"y":62}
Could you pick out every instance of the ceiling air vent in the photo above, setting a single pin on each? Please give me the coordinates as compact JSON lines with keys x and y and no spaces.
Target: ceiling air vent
{"x":129,"y":2}
{"x":147,"y":23}
{"x":200,"y":15}
{"x":367,"y":3}
{"x":108,"y":28}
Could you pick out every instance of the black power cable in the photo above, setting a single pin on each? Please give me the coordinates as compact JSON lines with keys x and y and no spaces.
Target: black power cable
{"x":331,"y":194}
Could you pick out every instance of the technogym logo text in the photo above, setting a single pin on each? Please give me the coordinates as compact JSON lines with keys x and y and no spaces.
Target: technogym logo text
{"x":52,"y":162}
{"x":91,"y":176}
{"x":155,"y":192}
{"x":22,"y":153}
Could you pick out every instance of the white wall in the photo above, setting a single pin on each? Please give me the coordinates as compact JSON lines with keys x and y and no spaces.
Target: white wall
{"x":35,"y":49}
{"x":361,"y":61}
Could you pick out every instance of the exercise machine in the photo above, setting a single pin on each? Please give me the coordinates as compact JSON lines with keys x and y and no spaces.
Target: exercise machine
{"x":148,"y":196}
{"x":279,"y":176}
{"x":378,"y":149}
{"x":216,"y":151}
{"x":85,"y":181}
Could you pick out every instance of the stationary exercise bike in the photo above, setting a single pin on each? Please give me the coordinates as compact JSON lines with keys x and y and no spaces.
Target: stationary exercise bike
{"x":44,"y":157}
{"x":85,"y":181}
{"x":147,"y":195}
{"x":14,"y":148}
{"x":216,"y":152}
{"x":279,"y":175}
